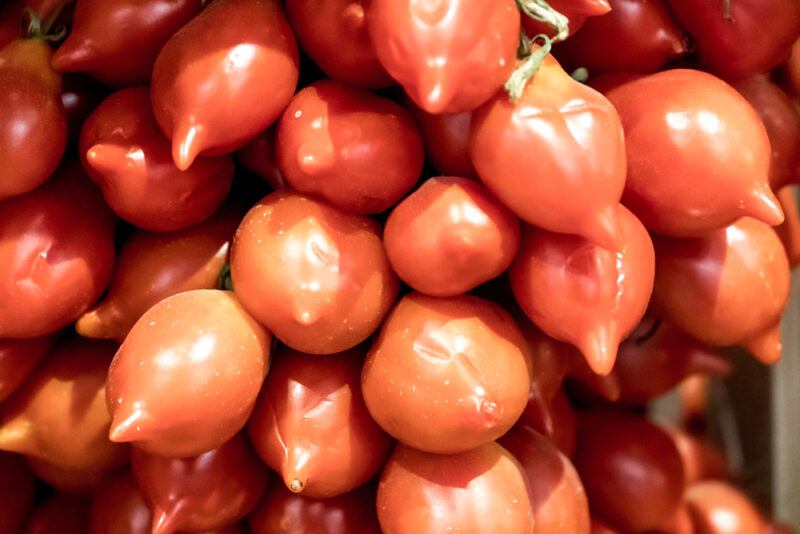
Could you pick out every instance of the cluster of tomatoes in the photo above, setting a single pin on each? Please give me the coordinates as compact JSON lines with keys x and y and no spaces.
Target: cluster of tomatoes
{"x":467,"y":275}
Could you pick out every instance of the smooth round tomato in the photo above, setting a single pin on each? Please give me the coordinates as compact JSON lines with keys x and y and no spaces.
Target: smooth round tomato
{"x":62,"y":513}
{"x":17,"y":492}
{"x":258,"y":156}
{"x":359,"y":151}
{"x":118,"y":507}
{"x":789,"y":229}
{"x":702,"y":460}
{"x":718,"y":507}
{"x":576,"y":11}
{"x":19,"y":359}
{"x":446,"y":137}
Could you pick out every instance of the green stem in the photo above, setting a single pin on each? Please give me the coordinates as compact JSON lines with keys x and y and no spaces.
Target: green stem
{"x":580,"y":74}
{"x":541,"y":11}
{"x":44,"y":29}
{"x":224,"y":280}
{"x":530,"y":66}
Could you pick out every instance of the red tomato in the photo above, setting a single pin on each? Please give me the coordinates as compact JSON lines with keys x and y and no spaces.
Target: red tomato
{"x":789,"y":229}
{"x":702,"y":460}
{"x":556,"y":421}
{"x":117,"y":42}
{"x":556,"y":156}
{"x":360,"y":152}
{"x":80,"y":95}
{"x":446,"y":137}
{"x":181,"y":358}
{"x":576,"y":11}
{"x":33,"y":124}
{"x":599,"y":527}
{"x":17,"y":492}
{"x":719,"y":508}
{"x":449,"y":56}
{"x":258,"y":156}
{"x":698,"y":154}
{"x":793,"y":70}
{"x":317,"y":277}
{"x":224,"y":77}
{"x":19,"y":359}
{"x":68,"y":480}
{"x":334,"y":34}
{"x":118,"y":507}
{"x":56,"y":255}
{"x":735,"y":44}
{"x":12,"y":18}
{"x":60,"y":514}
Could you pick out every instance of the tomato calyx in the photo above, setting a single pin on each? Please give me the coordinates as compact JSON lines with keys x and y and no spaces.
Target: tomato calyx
{"x":44,"y":29}
{"x":529,"y":66}
{"x":224,"y":280}
{"x":541,"y":11}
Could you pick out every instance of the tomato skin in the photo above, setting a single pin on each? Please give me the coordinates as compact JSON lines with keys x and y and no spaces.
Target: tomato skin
{"x":17,"y":492}
{"x":576,"y":11}
{"x":258,"y":157}
{"x":210,"y":79}
{"x":80,"y":95}
{"x":719,"y":40}
{"x":792,"y":70}
{"x":560,"y":140}
{"x":56,"y":255}
{"x":19,"y":359}
{"x":449,"y":56}
{"x":446,"y":138}
{"x":789,"y":230}
{"x":62,"y":513}
{"x":117,"y":42}
{"x":555,"y":421}
{"x":358,"y":151}
{"x":686,"y":123}
{"x":718,"y":507}
{"x":33,"y":124}
{"x":148,"y":190}
{"x":702,"y":460}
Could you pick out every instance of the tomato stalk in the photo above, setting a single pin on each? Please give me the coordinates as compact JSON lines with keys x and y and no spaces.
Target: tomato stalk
{"x":541,"y":11}
{"x":530,"y":65}
{"x":726,"y":10}
{"x":43,"y":29}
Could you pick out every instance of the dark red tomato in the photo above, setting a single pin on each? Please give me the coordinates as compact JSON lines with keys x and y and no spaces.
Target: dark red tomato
{"x":60,"y":514}
{"x":334,"y":34}
{"x":126,"y":154}
{"x":449,"y":236}
{"x":792,"y":71}
{"x":311,"y":424}
{"x":80,"y":95}
{"x":449,"y":56}
{"x":642,"y":33}
{"x":152,"y":267}
{"x":789,"y":229}
{"x":118,"y":42}
{"x":284,"y":512}
{"x":556,"y":421}
{"x":258,"y":156}
{"x":56,"y":255}
{"x":224,"y":77}
{"x":583,"y":294}
{"x":118,"y":507}
{"x":446,"y":137}
{"x":728,"y":288}
{"x":19,"y":359}
{"x":76,"y":481}
{"x":33,"y":124}
{"x":576,"y":11}
{"x":446,"y":375}
{"x":598,"y":527}
{"x":188,"y":374}
{"x":551,"y":360}
{"x":203,"y":492}
{"x":316,"y":276}
{"x":474,"y":492}
{"x":560,"y":140}
{"x":17,"y":492}
{"x":698,"y":154}
{"x":360,"y":152}
{"x":679,"y":523}
{"x":630,"y":468}
{"x":719,"y":30}
{"x":702,"y":459}
{"x":557,"y":496}
{"x":718,"y":507}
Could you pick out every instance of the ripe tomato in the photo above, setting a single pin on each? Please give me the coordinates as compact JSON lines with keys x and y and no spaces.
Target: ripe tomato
{"x":62,"y":513}
{"x":449,"y":56}
{"x":792,"y":71}
{"x":17,"y":492}
{"x":789,"y":230}
{"x":702,"y":460}
{"x":19,"y":359}
{"x":12,"y":17}
{"x":576,"y":11}
{"x":446,"y":137}
{"x":719,"y":507}
{"x":80,"y":95}
{"x":555,"y":421}
{"x":258,"y":156}
{"x":224,"y":77}
{"x":118,"y":507}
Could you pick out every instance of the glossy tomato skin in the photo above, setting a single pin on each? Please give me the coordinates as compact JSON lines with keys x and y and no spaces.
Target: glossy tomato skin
{"x":284,"y":512}
{"x":449,"y":56}
{"x":118,"y":42}
{"x":118,"y":507}
{"x":334,"y":34}
{"x":718,"y":38}
{"x":258,"y":156}
{"x":727,"y":288}
{"x":446,"y":137}
{"x":789,"y":229}
{"x":357,"y":150}
{"x":643,"y":34}
{"x":555,"y":421}
{"x":125,"y":153}
{"x":154,"y":266}
{"x":698,"y":154}
{"x":204,"y":492}
{"x":560,"y":140}
{"x":316,"y":276}
{"x":224,"y":77}
{"x":446,"y":375}
{"x":792,"y":70}
{"x":702,"y":460}
{"x":718,"y":507}
{"x":576,"y":12}
{"x":74,"y":481}
{"x":311,"y":425}
{"x":480,"y":490}
{"x":186,"y":378}
{"x":62,"y":513}
{"x":33,"y":124}
{"x":449,"y":236}
{"x":19,"y":359}
{"x":56,"y":255}
{"x":17,"y":492}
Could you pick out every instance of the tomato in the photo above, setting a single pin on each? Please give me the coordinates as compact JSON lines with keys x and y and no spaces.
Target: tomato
{"x":12,"y":18}
{"x":284,"y":512}
{"x":449,"y":56}
{"x":792,"y":71}
{"x":789,"y":229}
{"x":446,"y":137}
{"x":599,"y":527}
{"x":19,"y":359}
{"x":698,"y":154}
{"x":180,"y":358}
{"x":557,"y":496}
{"x":679,"y":523}
{"x":728,"y":288}
{"x":316,"y":276}
{"x":203,"y":492}
{"x":334,"y":34}
{"x":555,"y":421}
{"x":33,"y":124}
{"x":556,"y":156}
{"x":152,"y":267}
{"x":730,"y":37}
{"x":118,"y":507}
{"x":224,"y":77}
{"x":576,"y":11}
{"x":56,"y":255}
{"x":80,"y":95}
{"x":630,"y":469}
{"x":17,"y":492}
{"x":480,"y":490}
{"x":450,"y":236}
{"x":258,"y":156}
{"x":70,"y":435}
{"x":701,"y":459}
{"x":62,"y":513}
{"x":719,"y":508}
{"x":360,"y":152}
{"x":117,"y":42}
{"x":446,"y":375}
{"x":312,"y":427}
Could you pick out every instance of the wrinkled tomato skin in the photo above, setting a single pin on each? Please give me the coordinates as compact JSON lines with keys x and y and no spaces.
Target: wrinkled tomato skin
{"x":258,"y":156}
{"x":224,"y":77}
{"x":117,"y":42}
{"x":17,"y":492}
{"x":446,"y":137}
{"x":19,"y":359}
{"x":718,"y":507}
{"x":576,"y":12}
{"x":62,"y":513}
{"x":360,"y":152}
{"x":449,"y":56}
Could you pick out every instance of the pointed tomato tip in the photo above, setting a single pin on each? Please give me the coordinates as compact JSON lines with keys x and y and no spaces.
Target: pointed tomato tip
{"x":764,"y":206}
{"x":600,"y":350}
{"x":73,"y":57}
{"x":126,"y":426}
{"x":186,"y":146}
{"x":605,"y":229}
{"x":767,"y":346}
{"x":14,"y":437}
{"x":164,"y":521}
{"x":105,"y":158}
